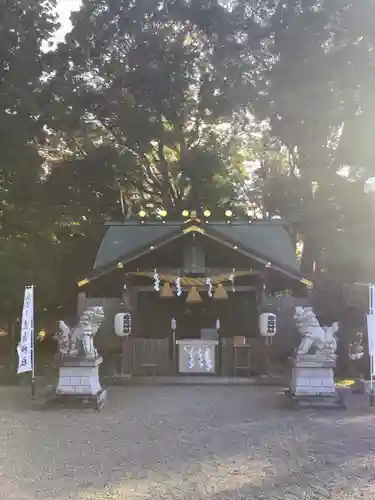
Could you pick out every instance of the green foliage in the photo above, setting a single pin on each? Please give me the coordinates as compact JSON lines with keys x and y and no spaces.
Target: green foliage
{"x":151,"y":83}
{"x":168,"y":104}
{"x":316,"y":95}
{"x":24,"y":28}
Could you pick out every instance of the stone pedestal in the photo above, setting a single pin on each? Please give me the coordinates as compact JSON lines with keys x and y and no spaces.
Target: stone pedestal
{"x":79,"y":380}
{"x":312,"y":383}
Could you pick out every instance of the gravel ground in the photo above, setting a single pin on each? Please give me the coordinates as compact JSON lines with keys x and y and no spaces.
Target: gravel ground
{"x":185,"y":442}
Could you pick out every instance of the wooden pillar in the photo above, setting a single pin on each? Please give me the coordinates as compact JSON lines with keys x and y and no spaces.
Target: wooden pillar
{"x":81,"y":304}
{"x":263,"y":348}
{"x":134,"y":295}
{"x":129,"y":304}
{"x":126,"y":300}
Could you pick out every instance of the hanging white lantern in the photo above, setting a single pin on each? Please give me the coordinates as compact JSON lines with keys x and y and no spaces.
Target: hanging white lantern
{"x":123,"y":324}
{"x":267,"y":324}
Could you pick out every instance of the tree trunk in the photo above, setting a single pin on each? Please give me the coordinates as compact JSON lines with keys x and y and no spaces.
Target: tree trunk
{"x":308,"y":255}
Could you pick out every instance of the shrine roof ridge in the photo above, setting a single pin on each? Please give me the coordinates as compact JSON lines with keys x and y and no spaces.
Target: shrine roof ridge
{"x":206,"y":222}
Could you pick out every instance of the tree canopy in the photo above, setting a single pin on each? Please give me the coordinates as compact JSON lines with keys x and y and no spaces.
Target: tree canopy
{"x":168,"y":104}
{"x":24,"y":230}
{"x":153,"y":84}
{"x":315,"y":96}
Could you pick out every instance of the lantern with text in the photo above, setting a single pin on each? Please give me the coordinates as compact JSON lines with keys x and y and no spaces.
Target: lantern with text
{"x":267,"y":324}
{"x":123,"y":324}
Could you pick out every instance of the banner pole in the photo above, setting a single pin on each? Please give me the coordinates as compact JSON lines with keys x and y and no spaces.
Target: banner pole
{"x":33,"y":348}
{"x":371,"y":358}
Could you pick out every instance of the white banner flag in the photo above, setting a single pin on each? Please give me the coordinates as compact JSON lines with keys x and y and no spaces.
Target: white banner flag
{"x":25,"y":347}
{"x":372,"y":298}
{"x":371,"y":334}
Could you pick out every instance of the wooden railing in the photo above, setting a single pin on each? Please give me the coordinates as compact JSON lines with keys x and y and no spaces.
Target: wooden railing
{"x":146,"y":356}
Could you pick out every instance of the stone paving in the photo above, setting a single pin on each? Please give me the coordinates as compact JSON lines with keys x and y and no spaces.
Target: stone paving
{"x":185,"y":442}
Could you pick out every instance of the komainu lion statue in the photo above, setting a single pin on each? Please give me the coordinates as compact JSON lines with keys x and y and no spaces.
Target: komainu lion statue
{"x":314,"y":337}
{"x":79,"y":341}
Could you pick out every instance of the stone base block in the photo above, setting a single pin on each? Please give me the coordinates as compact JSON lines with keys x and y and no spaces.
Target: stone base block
{"x":312,"y":384}
{"x":96,"y":401}
{"x":312,"y":375}
{"x":79,"y":379}
{"x":322,"y":402}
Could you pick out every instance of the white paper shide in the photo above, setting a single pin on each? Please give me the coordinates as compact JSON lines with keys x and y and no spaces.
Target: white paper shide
{"x":25,"y":346}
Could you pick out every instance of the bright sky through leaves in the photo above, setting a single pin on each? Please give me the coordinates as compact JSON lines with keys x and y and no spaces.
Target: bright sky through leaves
{"x":64,"y":9}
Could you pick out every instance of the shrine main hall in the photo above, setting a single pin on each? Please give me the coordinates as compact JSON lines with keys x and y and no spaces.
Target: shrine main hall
{"x":190,"y":284}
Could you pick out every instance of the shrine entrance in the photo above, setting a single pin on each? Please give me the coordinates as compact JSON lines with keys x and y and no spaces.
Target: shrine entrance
{"x":192,"y":320}
{"x":205,"y":333}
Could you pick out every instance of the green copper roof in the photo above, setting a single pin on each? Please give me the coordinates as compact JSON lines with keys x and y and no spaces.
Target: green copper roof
{"x":125,"y":239}
{"x":270,"y":241}
{"x":267,"y":240}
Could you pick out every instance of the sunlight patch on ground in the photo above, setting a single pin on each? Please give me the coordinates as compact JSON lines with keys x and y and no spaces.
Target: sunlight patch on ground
{"x":345,"y":383}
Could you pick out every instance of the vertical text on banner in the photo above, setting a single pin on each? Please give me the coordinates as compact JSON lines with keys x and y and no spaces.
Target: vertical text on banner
{"x":25,"y":346}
